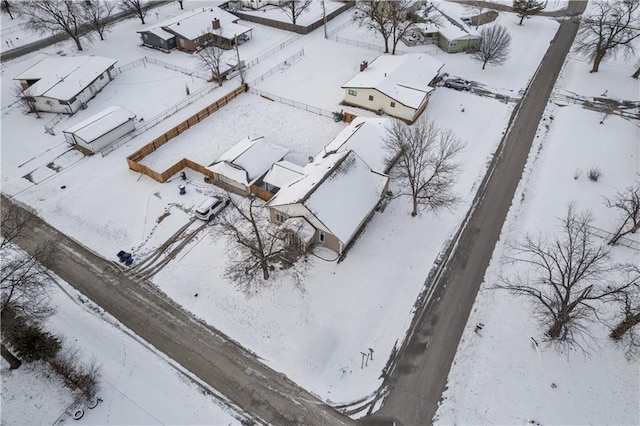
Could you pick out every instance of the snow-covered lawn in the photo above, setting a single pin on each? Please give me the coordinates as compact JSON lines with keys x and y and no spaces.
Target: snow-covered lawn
{"x":306,"y":17}
{"x":315,"y":336}
{"x":512,"y":380}
{"x":138,"y":386}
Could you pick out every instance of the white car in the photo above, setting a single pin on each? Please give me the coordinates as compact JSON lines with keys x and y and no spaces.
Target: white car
{"x":211,"y":208}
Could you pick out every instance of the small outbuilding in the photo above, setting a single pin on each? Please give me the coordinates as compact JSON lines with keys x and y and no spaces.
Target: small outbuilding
{"x":102,"y":129}
{"x":65,"y":84}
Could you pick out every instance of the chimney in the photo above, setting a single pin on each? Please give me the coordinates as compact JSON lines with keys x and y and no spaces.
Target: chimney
{"x":364,"y":65}
{"x":216,"y":24}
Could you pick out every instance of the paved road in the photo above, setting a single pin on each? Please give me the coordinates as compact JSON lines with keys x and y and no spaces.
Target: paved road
{"x":420,"y":374}
{"x":7,"y":55}
{"x":207,"y":353}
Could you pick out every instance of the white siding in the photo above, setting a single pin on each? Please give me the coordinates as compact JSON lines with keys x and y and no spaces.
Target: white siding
{"x":380,"y":102}
{"x":107,"y":138}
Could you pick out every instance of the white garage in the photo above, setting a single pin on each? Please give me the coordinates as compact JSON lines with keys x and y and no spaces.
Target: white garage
{"x":102,"y":129}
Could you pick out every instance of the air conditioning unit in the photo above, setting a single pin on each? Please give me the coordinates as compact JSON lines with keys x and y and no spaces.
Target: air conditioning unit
{"x":83,"y":105}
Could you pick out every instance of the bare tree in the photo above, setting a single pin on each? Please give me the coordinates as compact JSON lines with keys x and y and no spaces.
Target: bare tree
{"x":374,"y":16}
{"x":565,"y":278}
{"x":636,"y":74}
{"x":23,"y":279}
{"x":424,"y":159}
{"x":181,"y":6}
{"x":611,"y":27}
{"x":52,"y":16}
{"x":97,"y":14}
{"x":628,"y":203}
{"x":6,"y":8}
{"x":256,"y":246}
{"x":137,"y":7}
{"x":209,"y":58}
{"x":294,"y":8}
{"x":25,"y":99}
{"x":625,"y":331}
{"x":526,"y":8}
{"x":495,"y":42}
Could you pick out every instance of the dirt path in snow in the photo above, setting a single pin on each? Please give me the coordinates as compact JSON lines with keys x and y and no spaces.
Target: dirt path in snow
{"x":418,"y":375}
{"x":267,"y":395}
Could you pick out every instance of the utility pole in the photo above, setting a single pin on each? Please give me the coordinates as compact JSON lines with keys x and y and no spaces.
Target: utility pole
{"x":240,"y":64}
{"x":324,"y":17}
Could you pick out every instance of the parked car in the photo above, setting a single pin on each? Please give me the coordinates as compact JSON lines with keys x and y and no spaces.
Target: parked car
{"x":211,"y":207}
{"x":458,"y":84}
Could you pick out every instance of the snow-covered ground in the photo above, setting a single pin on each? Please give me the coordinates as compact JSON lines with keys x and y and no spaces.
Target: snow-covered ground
{"x":137,"y":386}
{"x":313,"y":336}
{"x":512,"y":380}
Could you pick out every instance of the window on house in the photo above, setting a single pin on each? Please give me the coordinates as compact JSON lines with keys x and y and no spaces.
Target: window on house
{"x":280,"y":217}
{"x":353,"y":92}
{"x":393,"y":104}
{"x":72,"y":100}
{"x":370,"y":97}
{"x":321,"y":236}
{"x":101,"y":76}
{"x":61,"y":102}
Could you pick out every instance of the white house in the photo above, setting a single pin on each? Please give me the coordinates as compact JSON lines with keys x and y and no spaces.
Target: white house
{"x":398,"y":85}
{"x":65,"y":84}
{"x":240,"y":167}
{"x":100,"y":130}
{"x":336,"y":196}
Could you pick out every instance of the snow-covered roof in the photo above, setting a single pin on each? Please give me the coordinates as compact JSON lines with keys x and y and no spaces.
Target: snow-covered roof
{"x":197,"y":22}
{"x":103,"y":122}
{"x":404,"y":78}
{"x":64,"y":77}
{"x":254,"y":156}
{"x":230,"y":171}
{"x":283,"y":173}
{"x":365,"y":136}
{"x":159,"y":32}
{"x":340,"y":190}
{"x":300,"y":226}
{"x":452,"y":27}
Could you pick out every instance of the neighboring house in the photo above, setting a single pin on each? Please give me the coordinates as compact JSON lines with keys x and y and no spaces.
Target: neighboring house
{"x":255,"y":4}
{"x":191,"y":30}
{"x":336,"y":196}
{"x":65,"y":84}
{"x":399,"y":86}
{"x":245,"y":163}
{"x":450,"y":33}
{"x":102,"y":129}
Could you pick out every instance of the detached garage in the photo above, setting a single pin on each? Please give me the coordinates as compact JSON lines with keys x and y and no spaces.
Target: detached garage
{"x":102,"y":129}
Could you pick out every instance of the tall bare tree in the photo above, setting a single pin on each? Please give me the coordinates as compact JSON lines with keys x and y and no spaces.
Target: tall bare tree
{"x":209,"y":58}
{"x":257,"y":248}
{"x":565,"y":277}
{"x":137,"y":7}
{"x":424,"y":157}
{"x":527,"y":8}
{"x":24,"y":281}
{"x":52,"y":16}
{"x":611,"y":27}
{"x":97,"y":14}
{"x":294,"y":8}
{"x":627,"y":203}
{"x":494,"y":46}
{"x":391,"y":19}
{"x":25,"y":99}
{"x":6,"y":8}
{"x":626,"y":330}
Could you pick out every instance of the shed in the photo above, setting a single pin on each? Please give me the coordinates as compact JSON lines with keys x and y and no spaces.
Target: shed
{"x":102,"y":129}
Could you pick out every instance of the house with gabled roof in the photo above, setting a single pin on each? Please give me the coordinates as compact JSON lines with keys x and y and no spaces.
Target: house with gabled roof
{"x":244,"y":164}
{"x":336,"y":196}
{"x":193,"y":29}
{"x":65,"y":84}
{"x":397,"y":85}
{"x":102,"y":129}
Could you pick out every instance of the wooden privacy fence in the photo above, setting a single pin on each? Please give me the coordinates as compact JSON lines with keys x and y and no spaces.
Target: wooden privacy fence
{"x":134,"y":159}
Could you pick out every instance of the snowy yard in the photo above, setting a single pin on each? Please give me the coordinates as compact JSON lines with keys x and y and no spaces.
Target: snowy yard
{"x":313,"y":336}
{"x":513,"y":381}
